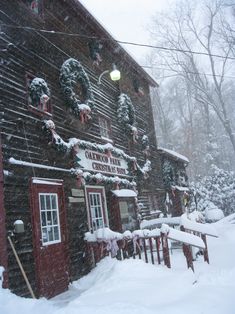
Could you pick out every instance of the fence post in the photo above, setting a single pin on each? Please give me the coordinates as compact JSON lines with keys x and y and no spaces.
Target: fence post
{"x":157,"y":247}
{"x":139,"y":248}
{"x":188,"y":255}
{"x":165,"y":249}
{"x":205,"y":252}
{"x":145,"y":251}
{"x":151,"y":249}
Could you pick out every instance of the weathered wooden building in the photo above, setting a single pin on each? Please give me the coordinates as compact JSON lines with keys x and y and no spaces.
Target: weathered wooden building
{"x":75,"y":144}
{"x":175,"y":181}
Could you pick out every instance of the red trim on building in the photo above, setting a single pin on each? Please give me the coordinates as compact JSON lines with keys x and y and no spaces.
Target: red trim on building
{"x":3,"y":239}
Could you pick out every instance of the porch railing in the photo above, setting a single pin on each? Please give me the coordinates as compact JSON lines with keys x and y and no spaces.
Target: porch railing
{"x":150,"y":245}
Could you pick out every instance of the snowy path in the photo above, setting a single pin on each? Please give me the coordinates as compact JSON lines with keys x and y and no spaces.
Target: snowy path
{"x":138,"y":288}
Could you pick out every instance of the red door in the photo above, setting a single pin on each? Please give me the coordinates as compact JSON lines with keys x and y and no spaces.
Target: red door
{"x":49,"y":237}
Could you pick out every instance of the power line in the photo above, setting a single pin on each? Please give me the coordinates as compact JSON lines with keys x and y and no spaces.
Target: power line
{"x":189,"y":72}
{"x":117,"y":41}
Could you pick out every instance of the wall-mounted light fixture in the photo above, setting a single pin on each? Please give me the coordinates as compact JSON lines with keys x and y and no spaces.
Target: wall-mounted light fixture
{"x":18,"y":226}
{"x":115,"y":74}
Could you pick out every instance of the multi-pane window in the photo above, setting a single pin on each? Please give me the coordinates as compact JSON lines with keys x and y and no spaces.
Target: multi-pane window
{"x":104,"y":125}
{"x":97,"y":218}
{"x":49,"y":216}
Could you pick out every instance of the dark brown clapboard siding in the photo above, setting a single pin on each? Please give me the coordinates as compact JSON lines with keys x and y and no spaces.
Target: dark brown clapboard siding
{"x":42,"y":55}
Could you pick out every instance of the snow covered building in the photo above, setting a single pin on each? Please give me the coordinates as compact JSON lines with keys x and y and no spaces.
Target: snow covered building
{"x":76,"y":144}
{"x":175,"y":181}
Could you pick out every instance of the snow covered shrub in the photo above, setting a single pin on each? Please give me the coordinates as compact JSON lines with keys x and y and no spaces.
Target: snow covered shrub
{"x":215,"y":194}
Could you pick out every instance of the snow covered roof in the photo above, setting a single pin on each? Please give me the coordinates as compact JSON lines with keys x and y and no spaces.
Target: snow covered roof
{"x":174,"y":154}
{"x":107,"y":34}
{"x":207,"y":229}
{"x":124,"y":193}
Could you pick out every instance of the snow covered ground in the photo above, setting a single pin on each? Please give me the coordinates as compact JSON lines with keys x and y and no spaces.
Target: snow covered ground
{"x":133,"y":287}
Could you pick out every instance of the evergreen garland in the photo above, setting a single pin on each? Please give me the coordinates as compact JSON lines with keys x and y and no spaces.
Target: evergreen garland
{"x":72,"y":73}
{"x":168,"y":174}
{"x":126,"y":113}
{"x":66,"y":147}
{"x":100,"y":178}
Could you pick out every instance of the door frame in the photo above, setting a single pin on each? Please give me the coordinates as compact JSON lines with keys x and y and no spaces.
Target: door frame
{"x":104,"y":202}
{"x":3,"y":232}
{"x":49,"y":186}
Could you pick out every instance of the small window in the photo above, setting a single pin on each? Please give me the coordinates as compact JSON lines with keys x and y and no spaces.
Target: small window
{"x":38,"y":95}
{"x":128,"y":215}
{"x":105,"y":128}
{"x":49,"y":217}
{"x":97,"y":208}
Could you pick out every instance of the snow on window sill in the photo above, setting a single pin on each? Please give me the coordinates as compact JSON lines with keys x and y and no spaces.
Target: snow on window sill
{"x":51,"y":242}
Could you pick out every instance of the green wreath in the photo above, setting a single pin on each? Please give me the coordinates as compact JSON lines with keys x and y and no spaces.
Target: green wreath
{"x":126,"y":115}
{"x":71,"y":74}
{"x":39,"y":93}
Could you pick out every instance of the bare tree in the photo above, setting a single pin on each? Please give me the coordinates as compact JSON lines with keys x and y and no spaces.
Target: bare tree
{"x":202,"y":27}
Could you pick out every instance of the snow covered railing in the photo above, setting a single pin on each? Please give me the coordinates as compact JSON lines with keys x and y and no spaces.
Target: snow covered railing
{"x":207,"y":229}
{"x":184,"y":237}
{"x":200,"y":229}
{"x":139,"y":242}
{"x":174,"y":221}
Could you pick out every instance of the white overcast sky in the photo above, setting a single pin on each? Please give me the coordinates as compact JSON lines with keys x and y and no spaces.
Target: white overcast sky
{"x":126,"y":20}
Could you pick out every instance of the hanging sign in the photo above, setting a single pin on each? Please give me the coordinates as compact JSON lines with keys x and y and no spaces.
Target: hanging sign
{"x":97,"y":162}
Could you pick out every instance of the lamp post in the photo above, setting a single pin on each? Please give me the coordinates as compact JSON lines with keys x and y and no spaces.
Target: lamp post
{"x":115,"y":74}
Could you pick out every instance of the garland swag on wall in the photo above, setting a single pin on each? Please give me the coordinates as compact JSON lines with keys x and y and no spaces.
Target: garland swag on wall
{"x":126,"y":115}
{"x":72,"y":73}
{"x":75,"y":143}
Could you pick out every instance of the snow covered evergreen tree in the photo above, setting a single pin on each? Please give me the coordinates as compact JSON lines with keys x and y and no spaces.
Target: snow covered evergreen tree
{"x":214,"y":193}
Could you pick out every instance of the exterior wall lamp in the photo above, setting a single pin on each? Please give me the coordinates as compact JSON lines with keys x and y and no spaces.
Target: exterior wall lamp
{"x":115,"y":74}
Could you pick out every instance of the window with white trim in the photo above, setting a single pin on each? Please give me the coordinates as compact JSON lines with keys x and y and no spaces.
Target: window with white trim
{"x":49,"y":217}
{"x":97,"y":218}
{"x":104,"y":125}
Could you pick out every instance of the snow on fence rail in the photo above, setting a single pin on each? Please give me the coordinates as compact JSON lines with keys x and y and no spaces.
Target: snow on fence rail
{"x":184,"y":237}
{"x":158,"y":221}
{"x":206,"y":229}
{"x":139,"y":242}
